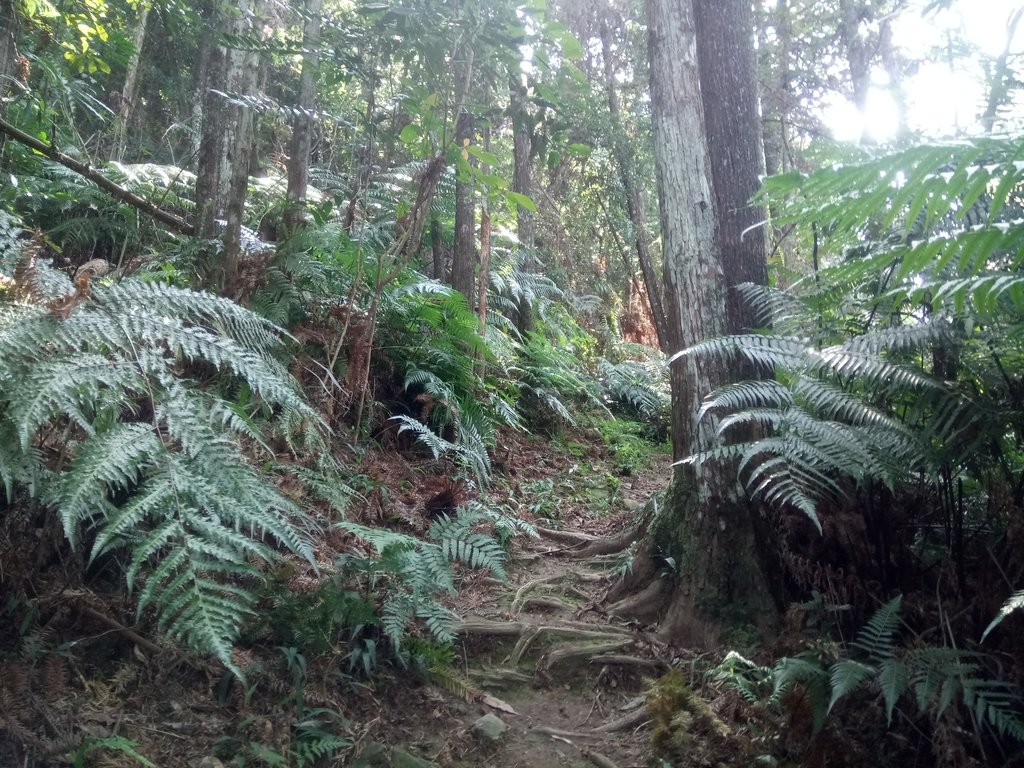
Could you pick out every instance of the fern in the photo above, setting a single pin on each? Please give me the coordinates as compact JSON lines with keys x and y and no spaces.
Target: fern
{"x":1016,"y":602}
{"x":939,"y":677}
{"x":420,"y":571}
{"x":156,"y":469}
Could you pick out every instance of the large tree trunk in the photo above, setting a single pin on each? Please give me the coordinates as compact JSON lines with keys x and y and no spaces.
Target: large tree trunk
{"x":626,"y":160}
{"x":725,"y":53}
{"x":223,"y":172}
{"x":302,"y":130}
{"x":704,"y":525}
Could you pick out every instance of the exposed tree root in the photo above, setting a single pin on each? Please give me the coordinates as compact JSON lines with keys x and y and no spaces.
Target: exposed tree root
{"x":548,"y":602}
{"x":572,"y":538}
{"x":500,"y":677}
{"x":523,"y":645}
{"x":632,"y":720}
{"x":645,"y":605}
{"x":598,"y":759}
{"x":627,"y":660}
{"x":558,"y":733}
{"x":610,"y":546}
{"x":582,"y":651}
{"x":476,"y":626}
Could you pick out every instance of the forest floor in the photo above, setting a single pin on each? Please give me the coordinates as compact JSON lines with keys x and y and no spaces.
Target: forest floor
{"x":536,"y":651}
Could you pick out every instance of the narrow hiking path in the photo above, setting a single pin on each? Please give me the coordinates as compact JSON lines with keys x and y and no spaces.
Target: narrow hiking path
{"x":537,"y":652}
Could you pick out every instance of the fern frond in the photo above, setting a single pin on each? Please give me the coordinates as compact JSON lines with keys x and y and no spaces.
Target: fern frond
{"x":1016,"y":602}
{"x":877,"y":638}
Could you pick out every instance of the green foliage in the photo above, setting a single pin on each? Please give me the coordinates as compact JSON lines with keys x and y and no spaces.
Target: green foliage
{"x":413,"y":574}
{"x":151,"y":462}
{"x":637,"y":387}
{"x":118,"y":744}
{"x":938,"y":677}
{"x":899,"y":357}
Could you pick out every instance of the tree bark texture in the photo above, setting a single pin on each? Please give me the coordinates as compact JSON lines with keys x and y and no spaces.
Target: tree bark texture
{"x":223,"y":172}
{"x":302,"y":129}
{"x":725,"y":53}
{"x":705,"y":524}
{"x":626,"y":160}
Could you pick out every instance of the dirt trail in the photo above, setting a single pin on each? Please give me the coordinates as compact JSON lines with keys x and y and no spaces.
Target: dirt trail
{"x":540,"y":646}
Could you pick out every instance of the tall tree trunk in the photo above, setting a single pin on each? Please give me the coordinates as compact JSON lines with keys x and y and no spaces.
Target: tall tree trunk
{"x":725,"y":53}
{"x":776,"y":98}
{"x":483,"y":277}
{"x":464,"y":251}
{"x":126,"y":107}
{"x":626,"y":161}
{"x":223,"y":172}
{"x":521,"y":183}
{"x":302,"y":130}
{"x":8,"y":50}
{"x":704,"y":524}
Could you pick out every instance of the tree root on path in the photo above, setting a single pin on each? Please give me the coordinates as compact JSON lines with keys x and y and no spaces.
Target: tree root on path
{"x":625,"y":660}
{"x":584,"y":651}
{"x":572,"y":538}
{"x":500,"y":677}
{"x":476,"y":626}
{"x":549,"y":602}
{"x":558,"y":733}
{"x":632,"y":720}
{"x":521,"y":594}
{"x":582,"y":546}
{"x":598,"y":759}
{"x":644,"y":605}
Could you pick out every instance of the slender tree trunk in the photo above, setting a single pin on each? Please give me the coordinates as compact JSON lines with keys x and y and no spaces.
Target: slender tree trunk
{"x":126,"y":107}
{"x":483,"y":278}
{"x":436,"y":250}
{"x":626,"y":161}
{"x":223,"y":171}
{"x":704,"y":524}
{"x":302,"y":130}
{"x":521,"y":183}
{"x":858,"y":57}
{"x":8,"y":50}
{"x":464,"y":251}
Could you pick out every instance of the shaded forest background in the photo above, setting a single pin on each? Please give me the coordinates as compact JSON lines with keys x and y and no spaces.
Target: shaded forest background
{"x":251,"y":255}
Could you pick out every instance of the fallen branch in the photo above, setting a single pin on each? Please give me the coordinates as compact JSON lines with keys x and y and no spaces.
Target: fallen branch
{"x":48,"y":150}
{"x":131,"y":634}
